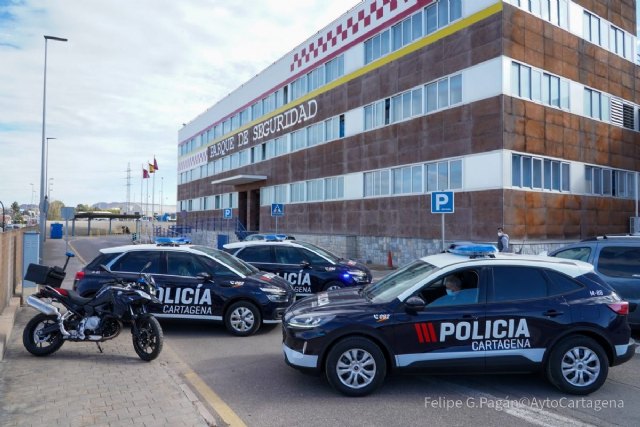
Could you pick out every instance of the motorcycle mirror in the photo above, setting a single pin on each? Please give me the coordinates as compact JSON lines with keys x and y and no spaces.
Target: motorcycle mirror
{"x":147,"y":265}
{"x":70,"y":254}
{"x":103,"y":267}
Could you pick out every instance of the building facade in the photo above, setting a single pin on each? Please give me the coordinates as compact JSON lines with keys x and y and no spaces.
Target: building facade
{"x":526,"y":109}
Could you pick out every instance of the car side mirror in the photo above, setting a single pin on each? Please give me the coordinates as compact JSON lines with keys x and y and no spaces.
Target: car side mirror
{"x":206,"y":277}
{"x":414,"y":304}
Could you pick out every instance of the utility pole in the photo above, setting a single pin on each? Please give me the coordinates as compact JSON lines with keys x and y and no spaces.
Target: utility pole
{"x":128,"y":187}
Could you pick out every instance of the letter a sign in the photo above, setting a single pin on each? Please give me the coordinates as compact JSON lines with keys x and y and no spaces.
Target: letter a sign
{"x":442,"y":202}
{"x":277,"y":209}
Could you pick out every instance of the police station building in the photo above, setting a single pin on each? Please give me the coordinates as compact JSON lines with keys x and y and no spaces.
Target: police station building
{"x":526,"y":110}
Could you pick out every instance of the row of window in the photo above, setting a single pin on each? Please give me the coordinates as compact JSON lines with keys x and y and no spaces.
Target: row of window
{"x":594,"y":29}
{"x":539,"y":86}
{"x":436,"y":95}
{"x":619,"y":42}
{"x":320,"y":76}
{"x":422,"y":23}
{"x":539,"y":173}
{"x":218,"y":201}
{"x":610,"y":182}
{"x":315,"y":134}
{"x":435,"y":176}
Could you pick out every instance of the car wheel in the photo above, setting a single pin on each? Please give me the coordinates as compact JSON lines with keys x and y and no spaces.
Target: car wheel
{"x":333,"y":285}
{"x":578,"y":365}
{"x":242,"y":319}
{"x":355,"y":366}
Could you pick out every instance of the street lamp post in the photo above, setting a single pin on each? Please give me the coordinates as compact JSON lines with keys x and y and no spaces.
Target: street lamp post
{"x":43,"y":202}
{"x":46,"y":163}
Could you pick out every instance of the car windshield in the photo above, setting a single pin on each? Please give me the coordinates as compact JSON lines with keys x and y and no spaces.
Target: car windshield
{"x":322,"y":252}
{"x":391,"y":286}
{"x":229,"y":260}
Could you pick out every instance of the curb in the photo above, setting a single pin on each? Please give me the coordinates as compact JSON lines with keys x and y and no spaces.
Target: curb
{"x":7,"y":318}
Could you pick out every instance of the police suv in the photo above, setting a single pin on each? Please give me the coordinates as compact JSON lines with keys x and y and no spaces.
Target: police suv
{"x":195,"y":282}
{"x":470,"y":309}
{"x":307,"y":267}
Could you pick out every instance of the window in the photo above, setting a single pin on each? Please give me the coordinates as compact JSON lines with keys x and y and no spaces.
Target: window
{"x":407,"y":180}
{"x":517,"y":283}
{"x":443,"y":176}
{"x":334,"y":69}
{"x":619,"y":261}
{"x":609,"y":182}
{"x":538,"y":173}
{"x":376,"y":115}
{"x":580,"y":254}
{"x":617,"y":41}
{"x":315,"y":190}
{"x":334,"y":188}
{"x":376,"y":183}
{"x":257,"y":254}
{"x":183,"y":264}
{"x":591,"y":28}
{"x":559,"y":284}
{"x":538,"y":86}
{"x":296,"y":191}
{"x":135,"y":262}
{"x":288,"y":255}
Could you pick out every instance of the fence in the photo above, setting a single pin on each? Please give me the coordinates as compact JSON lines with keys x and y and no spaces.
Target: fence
{"x":10,"y":264}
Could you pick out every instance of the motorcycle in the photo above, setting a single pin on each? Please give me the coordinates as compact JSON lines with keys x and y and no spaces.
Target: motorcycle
{"x":96,"y":319}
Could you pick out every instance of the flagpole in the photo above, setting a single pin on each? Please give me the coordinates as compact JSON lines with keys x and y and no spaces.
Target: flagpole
{"x":141,"y":193}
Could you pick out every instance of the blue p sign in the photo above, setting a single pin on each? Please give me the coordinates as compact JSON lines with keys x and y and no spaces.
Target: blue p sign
{"x":442,"y":202}
{"x":227,"y":214}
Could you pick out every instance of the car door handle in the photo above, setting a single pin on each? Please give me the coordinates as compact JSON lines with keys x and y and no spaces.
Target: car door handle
{"x":470,"y":316}
{"x":553,"y":313}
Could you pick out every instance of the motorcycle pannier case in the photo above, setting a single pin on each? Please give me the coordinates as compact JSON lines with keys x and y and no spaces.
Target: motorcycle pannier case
{"x":45,"y":275}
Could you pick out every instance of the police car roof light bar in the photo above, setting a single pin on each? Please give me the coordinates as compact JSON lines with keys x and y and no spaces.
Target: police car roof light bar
{"x":172,"y":241}
{"x":475,"y":250}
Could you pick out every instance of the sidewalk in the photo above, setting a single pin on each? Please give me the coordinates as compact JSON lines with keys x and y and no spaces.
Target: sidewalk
{"x":79,"y":386}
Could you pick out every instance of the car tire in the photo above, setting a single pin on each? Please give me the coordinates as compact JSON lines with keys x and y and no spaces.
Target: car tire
{"x":242,"y":319}
{"x":333,"y":285}
{"x":577,"y":365}
{"x":355,"y":366}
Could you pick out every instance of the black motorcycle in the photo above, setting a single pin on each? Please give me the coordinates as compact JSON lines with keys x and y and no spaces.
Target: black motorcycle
{"x":94,"y":319}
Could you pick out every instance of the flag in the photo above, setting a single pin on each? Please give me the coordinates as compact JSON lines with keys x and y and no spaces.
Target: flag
{"x":145,"y":174}
{"x":151,"y":169}
{"x":155,"y":164}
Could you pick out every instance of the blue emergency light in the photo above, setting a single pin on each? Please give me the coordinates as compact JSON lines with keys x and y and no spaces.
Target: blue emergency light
{"x":474,"y":250}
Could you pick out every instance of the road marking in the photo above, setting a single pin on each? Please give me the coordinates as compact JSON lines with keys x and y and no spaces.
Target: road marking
{"x":537,"y":416}
{"x":75,"y":251}
{"x":210,"y":397}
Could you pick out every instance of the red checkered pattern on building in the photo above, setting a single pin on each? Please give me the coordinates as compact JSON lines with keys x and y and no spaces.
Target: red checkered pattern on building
{"x":360,"y":20}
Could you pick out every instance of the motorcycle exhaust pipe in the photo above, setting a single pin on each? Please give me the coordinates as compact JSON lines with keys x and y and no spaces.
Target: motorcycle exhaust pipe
{"x":42,"y":306}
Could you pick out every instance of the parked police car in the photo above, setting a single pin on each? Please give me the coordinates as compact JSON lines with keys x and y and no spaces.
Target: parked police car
{"x":196,"y":282}
{"x":474,"y":311}
{"x":307,"y":267}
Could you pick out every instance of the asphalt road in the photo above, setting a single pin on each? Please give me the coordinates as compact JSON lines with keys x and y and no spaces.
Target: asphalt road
{"x":250,"y":376}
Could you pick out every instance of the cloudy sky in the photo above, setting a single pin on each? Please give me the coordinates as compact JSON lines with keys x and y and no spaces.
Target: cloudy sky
{"x":118,"y":91}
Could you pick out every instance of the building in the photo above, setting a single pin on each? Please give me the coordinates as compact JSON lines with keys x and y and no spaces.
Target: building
{"x":526,"y":109}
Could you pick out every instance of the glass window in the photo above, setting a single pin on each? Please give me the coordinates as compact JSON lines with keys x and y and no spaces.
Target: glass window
{"x":455,"y":172}
{"x":559,"y":283}
{"x":516,"y":170}
{"x":288,"y":255}
{"x":619,"y":261}
{"x":184,"y":264}
{"x":443,"y":93}
{"x":416,"y":102}
{"x":518,"y":283}
{"x":135,"y":262}
{"x":536,"y":85}
{"x":431,"y":19}
{"x":580,"y":254}
{"x":431,"y":101}
{"x":443,"y":176}
{"x":456,"y":88}
{"x":256,"y":254}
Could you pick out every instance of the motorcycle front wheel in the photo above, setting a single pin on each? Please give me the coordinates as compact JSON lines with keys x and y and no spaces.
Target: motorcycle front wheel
{"x":38,"y":344}
{"x":147,"y":341}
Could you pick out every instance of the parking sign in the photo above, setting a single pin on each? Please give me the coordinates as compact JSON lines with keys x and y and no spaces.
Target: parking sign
{"x":442,"y":202}
{"x":227,"y":214}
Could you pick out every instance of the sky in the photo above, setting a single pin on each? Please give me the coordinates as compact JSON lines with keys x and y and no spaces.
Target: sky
{"x":130,"y":74}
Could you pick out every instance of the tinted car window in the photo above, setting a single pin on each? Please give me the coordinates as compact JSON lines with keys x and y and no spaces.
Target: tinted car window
{"x":619,"y":261}
{"x":183,"y":264}
{"x":102,"y":259}
{"x":216,"y":269}
{"x":260,"y":254}
{"x":517,"y":283}
{"x":285,"y":255}
{"x":580,"y":254}
{"x":314,"y":258}
{"x":560,"y":284}
{"x":136,"y":260}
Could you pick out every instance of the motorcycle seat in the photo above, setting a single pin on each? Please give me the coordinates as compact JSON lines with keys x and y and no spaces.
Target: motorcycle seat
{"x":76,"y":298}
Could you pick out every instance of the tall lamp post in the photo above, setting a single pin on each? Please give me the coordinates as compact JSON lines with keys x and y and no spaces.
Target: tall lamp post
{"x":46,"y":163}
{"x":44,"y":204}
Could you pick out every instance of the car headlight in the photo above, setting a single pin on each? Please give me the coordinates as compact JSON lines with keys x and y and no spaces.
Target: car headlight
{"x":275,"y":294}
{"x":308,"y":321}
{"x":358,"y":276}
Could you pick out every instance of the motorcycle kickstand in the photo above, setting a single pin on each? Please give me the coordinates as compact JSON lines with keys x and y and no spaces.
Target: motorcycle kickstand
{"x":99,"y":347}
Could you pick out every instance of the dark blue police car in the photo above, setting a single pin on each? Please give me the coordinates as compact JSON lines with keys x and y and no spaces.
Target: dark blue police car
{"x":195,"y":282}
{"x":474,"y":311}
{"x":309,"y":268}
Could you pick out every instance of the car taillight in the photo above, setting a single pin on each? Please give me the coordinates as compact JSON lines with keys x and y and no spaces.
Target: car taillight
{"x":621,"y":307}
{"x":79,"y":275}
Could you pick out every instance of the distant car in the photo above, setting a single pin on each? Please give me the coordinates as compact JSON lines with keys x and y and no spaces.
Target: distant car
{"x":617,"y":260}
{"x":520,"y":314}
{"x":195,"y":282}
{"x":268,"y":237}
{"x":309,"y":268}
